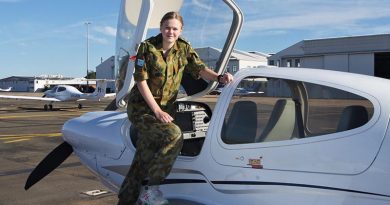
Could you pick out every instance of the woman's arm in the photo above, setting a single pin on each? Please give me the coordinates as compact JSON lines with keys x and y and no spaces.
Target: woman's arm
{"x":210,"y":75}
{"x":148,"y":97}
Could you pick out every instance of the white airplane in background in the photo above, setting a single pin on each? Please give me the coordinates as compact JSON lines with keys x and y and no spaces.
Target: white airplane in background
{"x":6,"y":90}
{"x":67,"y":93}
{"x":301,"y":136}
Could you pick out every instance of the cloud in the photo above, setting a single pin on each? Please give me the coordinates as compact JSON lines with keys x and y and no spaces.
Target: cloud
{"x":106,"y":30}
{"x":98,"y":40}
{"x":199,"y":4}
{"x":343,"y":16}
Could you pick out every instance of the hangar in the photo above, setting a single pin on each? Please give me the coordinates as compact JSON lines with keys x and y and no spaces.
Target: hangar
{"x":238,"y":59}
{"x":369,"y":54}
{"x":37,"y":84}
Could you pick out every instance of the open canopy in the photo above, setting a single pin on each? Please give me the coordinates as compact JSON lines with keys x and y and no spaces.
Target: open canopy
{"x":208,"y":23}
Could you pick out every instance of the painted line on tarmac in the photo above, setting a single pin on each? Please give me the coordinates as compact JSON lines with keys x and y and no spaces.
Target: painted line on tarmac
{"x":19,"y":140}
{"x":27,"y":116}
{"x":23,"y":137}
{"x":32,"y":135}
{"x":24,"y":171}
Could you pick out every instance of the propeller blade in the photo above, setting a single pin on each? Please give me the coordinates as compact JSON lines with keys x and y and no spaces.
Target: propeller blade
{"x":49,"y":163}
{"x":112,"y":106}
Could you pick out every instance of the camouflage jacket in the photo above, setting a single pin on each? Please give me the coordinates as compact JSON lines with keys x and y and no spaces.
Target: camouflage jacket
{"x":163,"y":76}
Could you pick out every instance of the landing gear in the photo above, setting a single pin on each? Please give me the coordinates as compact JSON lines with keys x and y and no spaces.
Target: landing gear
{"x":47,"y":107}
{"x":80,"y":106}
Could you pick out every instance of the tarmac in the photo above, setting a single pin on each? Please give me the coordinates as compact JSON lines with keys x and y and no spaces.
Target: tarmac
{"x":27,"y":134}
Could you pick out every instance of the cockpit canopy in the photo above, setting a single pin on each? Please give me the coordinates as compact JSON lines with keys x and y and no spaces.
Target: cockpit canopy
{"x":206,"y":24}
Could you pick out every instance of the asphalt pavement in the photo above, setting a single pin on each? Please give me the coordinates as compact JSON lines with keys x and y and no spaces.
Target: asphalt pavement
{"x":27,"y":134}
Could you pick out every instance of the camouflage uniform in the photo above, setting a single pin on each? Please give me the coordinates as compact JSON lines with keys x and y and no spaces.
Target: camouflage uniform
{"x":159,"y":143}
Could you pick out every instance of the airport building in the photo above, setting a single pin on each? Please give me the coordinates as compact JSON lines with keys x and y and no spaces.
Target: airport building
{"x":106,"y":70}
{"x":38,"y":84}
{"x":238,"y":59}
{"x":368,"y":55}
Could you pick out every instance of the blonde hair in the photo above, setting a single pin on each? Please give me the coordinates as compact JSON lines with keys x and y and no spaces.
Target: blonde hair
{"x":172,"y":15}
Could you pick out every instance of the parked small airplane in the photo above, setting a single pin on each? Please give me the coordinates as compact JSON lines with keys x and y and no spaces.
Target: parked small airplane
{"x":304,"y":136}
{"x":6,"y":90}
{"x":67,"y":93}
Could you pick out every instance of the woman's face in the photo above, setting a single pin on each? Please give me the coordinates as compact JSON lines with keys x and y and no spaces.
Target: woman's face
{"x":171,"y":30}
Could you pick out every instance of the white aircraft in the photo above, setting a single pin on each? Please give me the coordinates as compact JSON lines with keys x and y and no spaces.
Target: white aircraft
{"x":67,"y":93}
{"x":305,"y":136}
{"x":6,"y":90}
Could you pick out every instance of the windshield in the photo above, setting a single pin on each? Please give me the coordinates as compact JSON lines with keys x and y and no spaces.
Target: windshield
{"x":206,"y":27}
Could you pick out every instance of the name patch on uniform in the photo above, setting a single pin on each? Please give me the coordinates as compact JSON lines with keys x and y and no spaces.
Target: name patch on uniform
{"x":140,"y":62}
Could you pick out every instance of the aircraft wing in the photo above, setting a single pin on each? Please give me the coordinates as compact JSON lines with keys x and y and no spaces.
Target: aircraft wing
{"x":6,"y":90}
{"x":95,"y":98}
{"x":29,"y":98}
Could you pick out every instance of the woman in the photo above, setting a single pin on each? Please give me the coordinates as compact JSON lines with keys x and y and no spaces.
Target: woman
{"x":159,"y":66}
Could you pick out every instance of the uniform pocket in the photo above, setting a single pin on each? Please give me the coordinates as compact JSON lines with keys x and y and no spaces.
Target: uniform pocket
{"x":182,"y":62}
{"x":156,"y":79}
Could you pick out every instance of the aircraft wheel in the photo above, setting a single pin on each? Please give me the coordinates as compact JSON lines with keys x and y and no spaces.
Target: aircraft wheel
{"x":50,"y":107}
{"x":80,"y":106}
{"x":45,"y":107}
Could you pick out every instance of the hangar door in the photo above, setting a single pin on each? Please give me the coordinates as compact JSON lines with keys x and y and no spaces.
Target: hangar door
{"x":382,"y":65}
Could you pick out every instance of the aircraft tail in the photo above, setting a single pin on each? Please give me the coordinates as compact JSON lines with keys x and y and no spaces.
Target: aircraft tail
{"x":100,"y":91}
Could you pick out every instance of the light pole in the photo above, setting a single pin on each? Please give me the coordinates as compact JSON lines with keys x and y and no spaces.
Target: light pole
{"x":87,"y":25}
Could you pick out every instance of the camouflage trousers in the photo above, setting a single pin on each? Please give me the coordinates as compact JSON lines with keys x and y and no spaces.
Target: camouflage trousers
{"x":158,"y":145}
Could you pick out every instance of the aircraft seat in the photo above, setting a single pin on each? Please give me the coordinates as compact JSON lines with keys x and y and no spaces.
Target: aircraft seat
{"x":352,"y":117}
{"x":241,"y":126}
{"x":282,"y":122}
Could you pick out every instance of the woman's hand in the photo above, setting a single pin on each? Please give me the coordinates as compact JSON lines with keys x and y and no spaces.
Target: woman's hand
{"x":226,"y":78}
{"x":209,"y":74}
{"x":163,"y":116}
{"x":147,"y":95}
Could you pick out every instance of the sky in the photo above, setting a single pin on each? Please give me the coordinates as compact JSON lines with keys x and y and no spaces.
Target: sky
{"x":50,"y":36}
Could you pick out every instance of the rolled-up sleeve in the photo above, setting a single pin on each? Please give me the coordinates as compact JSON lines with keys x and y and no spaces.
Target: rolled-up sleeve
{"x":140,"y":71}
{"x":195,"y":64}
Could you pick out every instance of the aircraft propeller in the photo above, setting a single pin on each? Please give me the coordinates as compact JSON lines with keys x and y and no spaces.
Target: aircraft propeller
{"x":49,"y":163}
{"x":111,"y":106}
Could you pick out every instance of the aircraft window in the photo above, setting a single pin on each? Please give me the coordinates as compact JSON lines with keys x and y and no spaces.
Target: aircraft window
{"x":60,"y":89}
{"x":250,"y":109}
{"x":332,"y":110}
{"x":265,"y":110}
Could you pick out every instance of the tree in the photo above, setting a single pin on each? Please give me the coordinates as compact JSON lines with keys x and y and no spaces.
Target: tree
{"x":91,"y":75}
